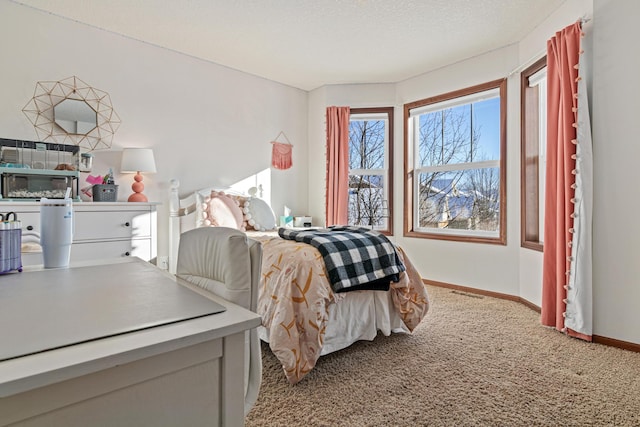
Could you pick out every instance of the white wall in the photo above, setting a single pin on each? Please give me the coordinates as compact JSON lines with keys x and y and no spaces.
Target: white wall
{"x":208,"y":125}
{"x":531,"y":48}
{"x":485,"y":266}
{"x":317,"y":155}
{"x":490,"y":266}
{"x":615,"y":106}
{"x":616,"y":153}
{"x":511,"y":269}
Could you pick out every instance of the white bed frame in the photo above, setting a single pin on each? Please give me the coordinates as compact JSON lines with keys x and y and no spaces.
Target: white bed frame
{"x":375,"y":310}
{"x":181,"y":218}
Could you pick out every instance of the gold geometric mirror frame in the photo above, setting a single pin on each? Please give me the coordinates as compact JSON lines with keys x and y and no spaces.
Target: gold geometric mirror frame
{"x":40,"y":112}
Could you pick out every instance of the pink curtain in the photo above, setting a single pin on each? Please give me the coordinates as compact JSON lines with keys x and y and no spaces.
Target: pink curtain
{"x":559,"y":259}
{"x":337,"y":165}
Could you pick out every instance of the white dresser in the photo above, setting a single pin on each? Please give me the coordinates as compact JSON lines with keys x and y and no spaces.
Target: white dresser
{"x":102,"y":230}
{"x":119,"y":343}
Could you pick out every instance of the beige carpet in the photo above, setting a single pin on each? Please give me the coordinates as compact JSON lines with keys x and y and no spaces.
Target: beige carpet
{"x":474,"y":361}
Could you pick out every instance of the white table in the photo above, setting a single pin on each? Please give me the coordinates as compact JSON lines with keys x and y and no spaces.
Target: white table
{"x":187,"y":372}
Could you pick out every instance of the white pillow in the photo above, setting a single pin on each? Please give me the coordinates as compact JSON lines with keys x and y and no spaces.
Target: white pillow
{"x":259,"y":214}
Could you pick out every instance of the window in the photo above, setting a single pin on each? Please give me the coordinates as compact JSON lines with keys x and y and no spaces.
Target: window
{"x":455,"y":165}
{"x":533,"y":160}
{"x":370,"y":166}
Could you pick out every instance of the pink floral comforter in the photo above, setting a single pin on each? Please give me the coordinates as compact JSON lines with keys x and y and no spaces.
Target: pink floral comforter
{"x":295,"y":297}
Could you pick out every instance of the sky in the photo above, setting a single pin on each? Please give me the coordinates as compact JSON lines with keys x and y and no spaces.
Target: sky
{"x":485,"y":114}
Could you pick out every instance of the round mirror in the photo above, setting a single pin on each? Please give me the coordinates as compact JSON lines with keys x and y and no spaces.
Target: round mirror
{"x":75,"y":117}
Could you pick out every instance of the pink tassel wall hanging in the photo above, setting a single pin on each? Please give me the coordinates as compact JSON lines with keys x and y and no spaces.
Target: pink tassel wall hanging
{"x":281,"y":153}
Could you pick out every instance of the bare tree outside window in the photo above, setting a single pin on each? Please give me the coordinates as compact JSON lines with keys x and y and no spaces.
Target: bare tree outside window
{"x":455,"y":167}
{"x":466,"y":199}
{"x":368,"y":176}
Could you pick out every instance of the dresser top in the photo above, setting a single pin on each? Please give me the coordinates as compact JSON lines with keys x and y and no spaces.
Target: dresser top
{"x":34,"y":206}
{"x":59,"y":307}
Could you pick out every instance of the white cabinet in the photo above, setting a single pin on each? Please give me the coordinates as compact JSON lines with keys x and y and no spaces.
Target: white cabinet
{"x":102,"y":230}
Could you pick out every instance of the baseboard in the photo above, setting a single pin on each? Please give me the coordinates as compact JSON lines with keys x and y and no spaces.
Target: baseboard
{"x":625,"y":345}
{"x":483,"y":292}
{"x":612,"y":342}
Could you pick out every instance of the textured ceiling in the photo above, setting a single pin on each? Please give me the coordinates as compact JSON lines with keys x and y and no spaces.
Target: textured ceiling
{"x":311,"y":43}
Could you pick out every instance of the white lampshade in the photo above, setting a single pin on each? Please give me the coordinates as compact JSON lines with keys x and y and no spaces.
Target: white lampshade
{"x":137,"y":160}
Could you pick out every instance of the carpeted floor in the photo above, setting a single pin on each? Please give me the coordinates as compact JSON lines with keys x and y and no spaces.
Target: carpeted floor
{"x":474,"y":361}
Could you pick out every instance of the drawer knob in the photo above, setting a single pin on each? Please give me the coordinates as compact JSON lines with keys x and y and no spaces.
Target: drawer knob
{"x":127,"y":224}
{"x":127,"y":253}
{"x":30,"y":227}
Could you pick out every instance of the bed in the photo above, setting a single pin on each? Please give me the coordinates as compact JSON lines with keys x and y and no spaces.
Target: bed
{"x":302,"y":317}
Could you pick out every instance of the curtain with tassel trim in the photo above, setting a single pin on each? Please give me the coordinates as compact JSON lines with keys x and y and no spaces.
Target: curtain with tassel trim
{"x":567,"y":274}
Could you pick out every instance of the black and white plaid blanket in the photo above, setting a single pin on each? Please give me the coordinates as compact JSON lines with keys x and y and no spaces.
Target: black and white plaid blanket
{"x":356,"y":258}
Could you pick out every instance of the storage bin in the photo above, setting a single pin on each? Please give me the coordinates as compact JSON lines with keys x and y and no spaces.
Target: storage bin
{"x":105,"y":193}
{"x":10,"y":244}
{"x":34,"y":184}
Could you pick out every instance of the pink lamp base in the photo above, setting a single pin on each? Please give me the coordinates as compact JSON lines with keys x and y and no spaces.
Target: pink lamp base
{"x":137,"y":197}
{"x":137,"y":188}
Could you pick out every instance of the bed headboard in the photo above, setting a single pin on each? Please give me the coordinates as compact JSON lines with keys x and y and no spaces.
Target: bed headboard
{"x":182,"y":217}
{"x":187,"y":213}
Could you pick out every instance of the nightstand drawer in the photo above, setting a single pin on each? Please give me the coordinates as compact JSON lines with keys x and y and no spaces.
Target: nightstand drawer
{"x":101,"y":230}
{"x":112,"y":249}
{"x":30,"y":221}
{"x":112,"y":225}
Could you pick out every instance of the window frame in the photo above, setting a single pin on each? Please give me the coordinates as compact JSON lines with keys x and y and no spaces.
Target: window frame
{"x":388,"y":111}
{"x":409,"y":169}
{"x":530,"y":212}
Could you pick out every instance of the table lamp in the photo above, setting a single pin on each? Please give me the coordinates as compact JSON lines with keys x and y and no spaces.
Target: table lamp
{"x":136,"y":160}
